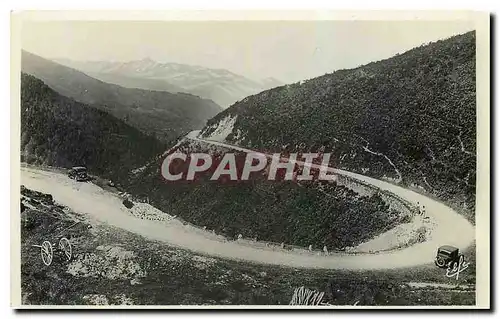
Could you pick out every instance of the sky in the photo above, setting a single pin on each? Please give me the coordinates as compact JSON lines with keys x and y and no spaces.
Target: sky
{"x":287,"y":50}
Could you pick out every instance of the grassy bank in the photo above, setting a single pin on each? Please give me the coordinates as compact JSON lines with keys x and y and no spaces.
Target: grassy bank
{"x":112,"y":266}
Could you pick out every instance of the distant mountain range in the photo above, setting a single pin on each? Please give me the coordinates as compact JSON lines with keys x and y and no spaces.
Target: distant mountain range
{"x":163,"y":114}
{"x":219,"y":85}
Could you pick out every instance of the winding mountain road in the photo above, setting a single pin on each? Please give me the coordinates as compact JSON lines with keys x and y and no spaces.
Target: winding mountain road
{"x":105,"y":207}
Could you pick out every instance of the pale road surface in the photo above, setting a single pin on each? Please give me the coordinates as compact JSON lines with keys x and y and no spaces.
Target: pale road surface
{"x":105,"y":207}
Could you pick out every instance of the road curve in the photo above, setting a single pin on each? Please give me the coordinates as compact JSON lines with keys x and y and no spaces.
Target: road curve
{"x":102,"y":206}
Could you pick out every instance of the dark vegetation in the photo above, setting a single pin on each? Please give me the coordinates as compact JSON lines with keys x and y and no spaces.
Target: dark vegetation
{"x":298,"y":214}
{"x":174,"y":276}
{"x":381,"y":106}
{"x":417,"y":108}
{"x":165,"y":115}
{"x":58,"y":131}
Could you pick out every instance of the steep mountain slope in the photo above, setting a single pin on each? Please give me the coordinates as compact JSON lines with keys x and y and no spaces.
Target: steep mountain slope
{"x":410,"y":118}
{"x":164,"y":114}
{"x":221,"y":86}
{"x":58,"y":131}
{"x":305,"y":213}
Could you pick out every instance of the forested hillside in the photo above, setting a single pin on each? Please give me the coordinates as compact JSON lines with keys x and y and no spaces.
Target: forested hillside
{"x":58,"y":131}
{"x":309,"y":213}
{"x":410,"y":118}
{"x":166,"y":115}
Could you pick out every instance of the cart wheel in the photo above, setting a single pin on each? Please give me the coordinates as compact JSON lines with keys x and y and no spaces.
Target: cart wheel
{"x":65,"y":246}
{"x":47,"y":253}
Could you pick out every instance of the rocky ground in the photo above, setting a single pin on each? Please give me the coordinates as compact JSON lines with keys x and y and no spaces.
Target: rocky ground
{"x":111,"y":266}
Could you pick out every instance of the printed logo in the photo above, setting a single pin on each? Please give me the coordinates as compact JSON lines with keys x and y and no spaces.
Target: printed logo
{"x":454,"y":269}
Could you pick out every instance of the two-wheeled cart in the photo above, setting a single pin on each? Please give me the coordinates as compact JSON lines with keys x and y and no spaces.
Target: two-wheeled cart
{"x":47,"y":250}
{"x":62,"y":245}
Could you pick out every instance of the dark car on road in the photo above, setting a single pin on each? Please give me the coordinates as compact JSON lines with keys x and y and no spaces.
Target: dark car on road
{"x":79,"y":173}
{"x":447,"y":256}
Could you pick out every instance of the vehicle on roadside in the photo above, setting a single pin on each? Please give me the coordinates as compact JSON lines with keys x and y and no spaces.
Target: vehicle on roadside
{"x":447,"y":256}
{"x":79,"y":174}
